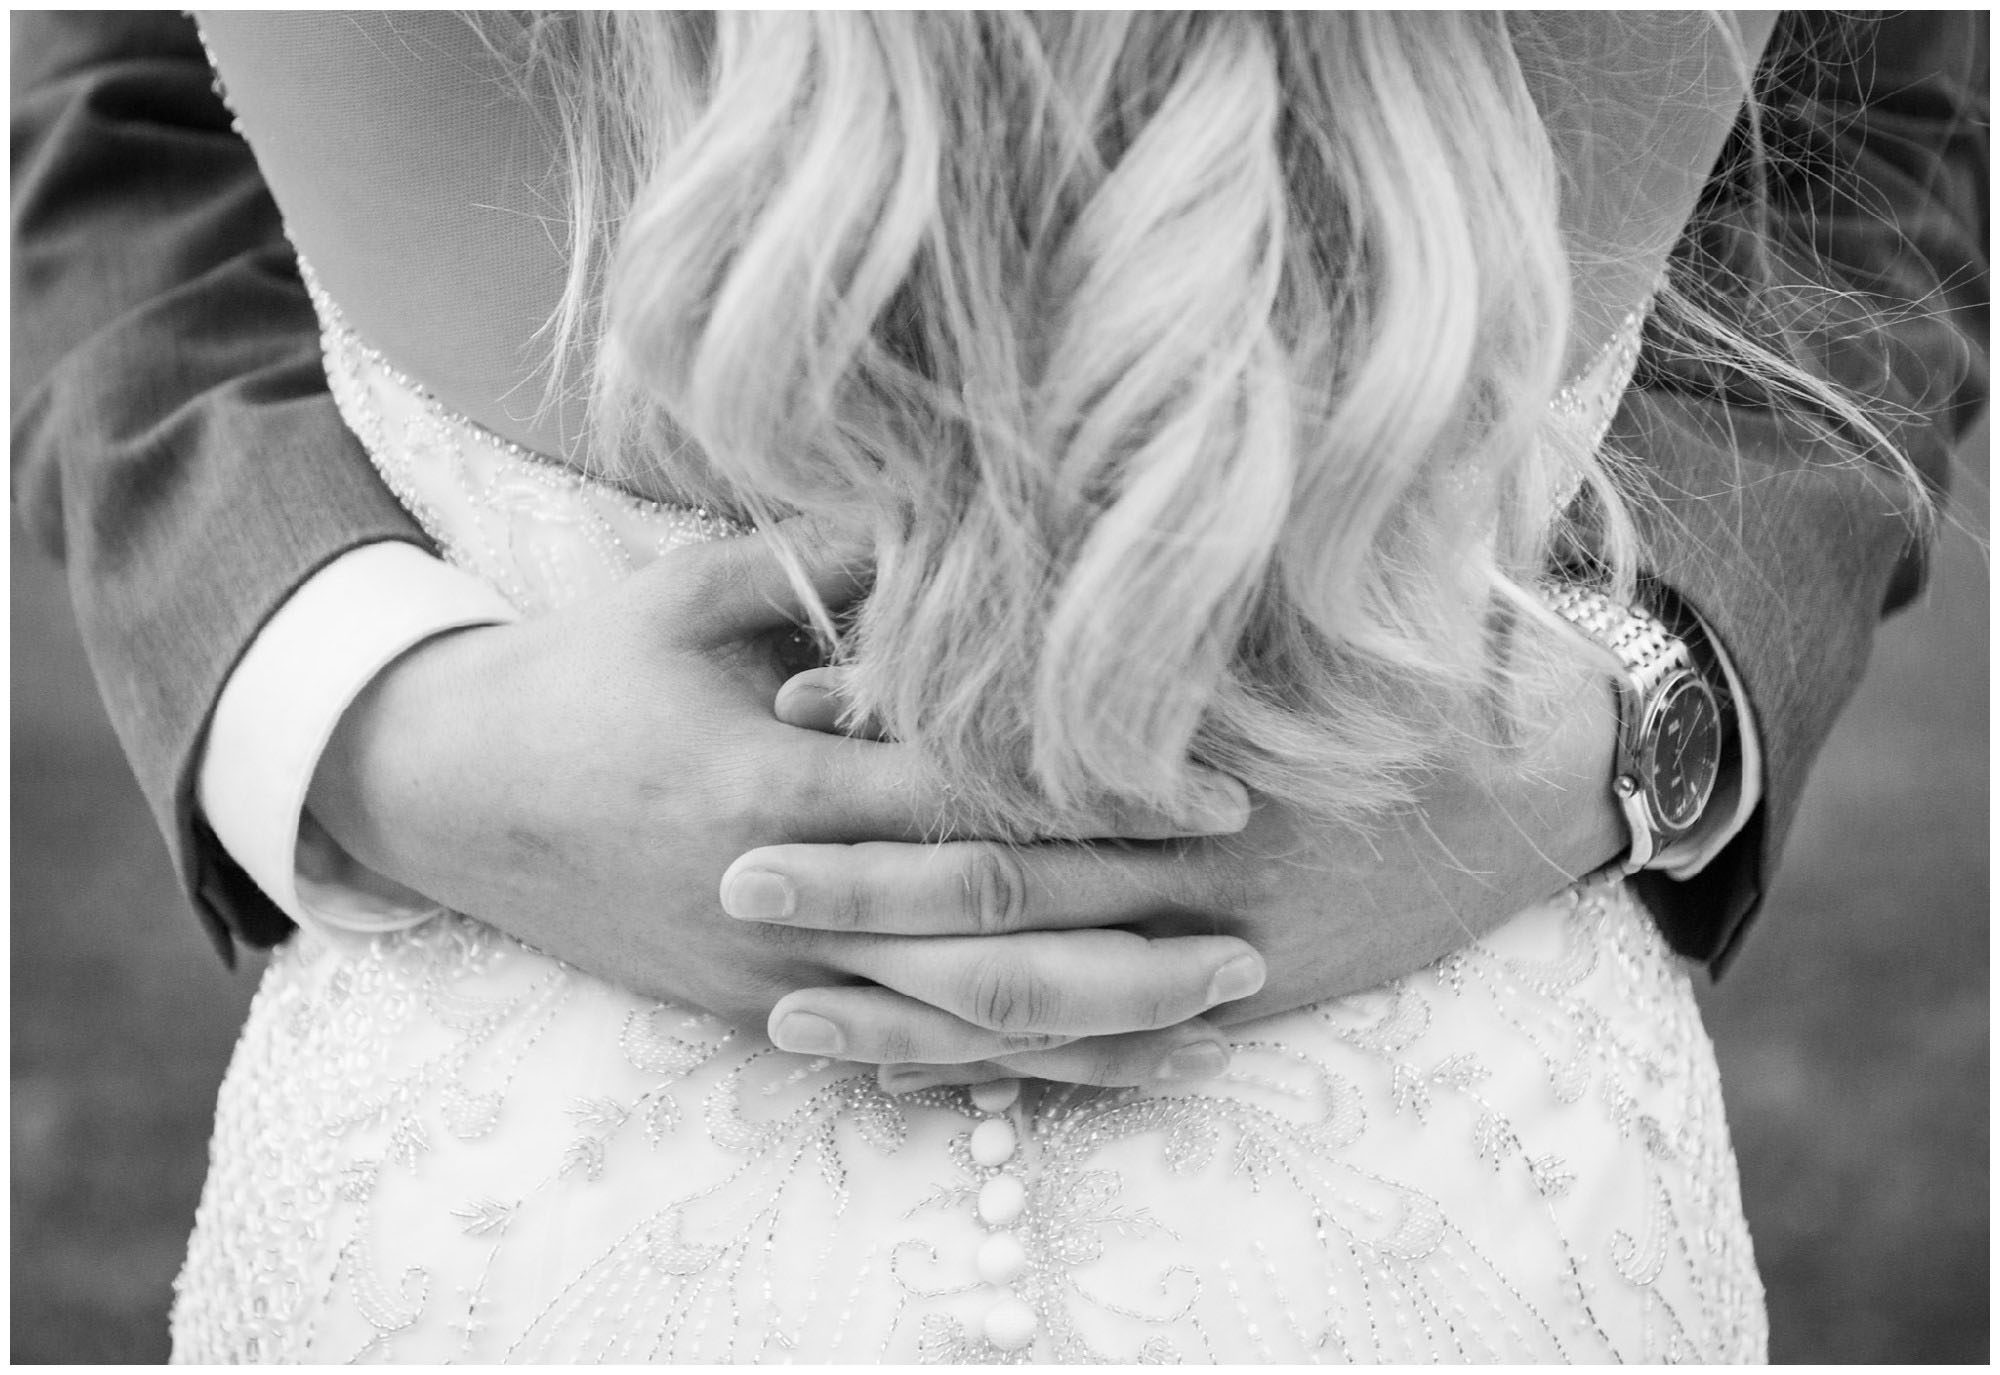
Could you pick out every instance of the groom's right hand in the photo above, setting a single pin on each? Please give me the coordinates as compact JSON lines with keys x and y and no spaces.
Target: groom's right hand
{"x":582,"y":781}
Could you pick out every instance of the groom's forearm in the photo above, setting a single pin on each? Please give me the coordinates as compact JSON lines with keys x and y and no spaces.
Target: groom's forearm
{"x":1790,"y":547}
{"x":174,"y":441}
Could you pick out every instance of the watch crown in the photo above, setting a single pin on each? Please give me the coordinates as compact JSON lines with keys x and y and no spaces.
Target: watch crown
{"x":1625,"y":785}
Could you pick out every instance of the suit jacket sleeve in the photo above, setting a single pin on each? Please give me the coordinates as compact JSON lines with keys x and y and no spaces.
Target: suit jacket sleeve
{"x":1791,"y":546}
{"x":174,"y":440}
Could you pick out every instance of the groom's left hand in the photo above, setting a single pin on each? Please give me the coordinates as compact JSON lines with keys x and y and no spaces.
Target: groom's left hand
{"x":1333,"y":910}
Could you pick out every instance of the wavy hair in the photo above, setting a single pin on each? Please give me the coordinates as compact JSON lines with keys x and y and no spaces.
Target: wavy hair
{"x":1189,"y":372}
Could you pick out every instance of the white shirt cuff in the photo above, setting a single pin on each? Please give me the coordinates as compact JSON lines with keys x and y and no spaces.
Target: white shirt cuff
{"x":1726,"y":816}
{"x":341,"y":627}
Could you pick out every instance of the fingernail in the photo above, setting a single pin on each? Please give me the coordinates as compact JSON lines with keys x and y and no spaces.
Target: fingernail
{"x":818,"y":697}
{"x":1239,"y":978}
{"x":808,"y":1034}
{"x":795,"y":692}
{"x":1202,"y":1060}
{"x":758,"y":895}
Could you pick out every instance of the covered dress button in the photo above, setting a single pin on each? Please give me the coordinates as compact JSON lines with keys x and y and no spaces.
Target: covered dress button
{"x":1002,"y":1258}
{"x":1011,"y":1324}
{"x":993,"y":1142}
{"x":1002,"y":1199}
{"x":996,"y":1095}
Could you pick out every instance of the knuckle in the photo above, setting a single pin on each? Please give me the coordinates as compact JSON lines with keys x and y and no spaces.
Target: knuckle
{"x":810,"y":786}
{"x":750,"y":797}
{"x":690,"y":581}
{"x":1003,"y":994}
{"x":840,"y":902}
{"x":848,"y":908}
{"x":891,"y":1042}
{"x":993,"y":888}
{"x":1032,"y":1042}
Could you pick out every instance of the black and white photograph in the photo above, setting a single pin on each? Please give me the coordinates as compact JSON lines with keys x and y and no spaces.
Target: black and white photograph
{"x":1000,"y":687}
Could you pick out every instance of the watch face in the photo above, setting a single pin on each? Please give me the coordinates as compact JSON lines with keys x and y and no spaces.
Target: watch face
{"x":1682,"y":751}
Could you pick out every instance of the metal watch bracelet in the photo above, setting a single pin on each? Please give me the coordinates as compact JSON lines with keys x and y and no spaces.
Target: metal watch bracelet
{"x":1655,"y":667}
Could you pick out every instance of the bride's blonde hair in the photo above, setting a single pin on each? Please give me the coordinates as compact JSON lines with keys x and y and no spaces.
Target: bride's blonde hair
{"x":1191,"y":372}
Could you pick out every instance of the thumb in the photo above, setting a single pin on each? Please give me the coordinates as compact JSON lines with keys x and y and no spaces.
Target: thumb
{"x":731,"y":589}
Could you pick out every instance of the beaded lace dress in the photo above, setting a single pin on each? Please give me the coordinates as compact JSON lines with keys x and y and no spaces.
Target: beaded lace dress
{"x":436,"y":1144}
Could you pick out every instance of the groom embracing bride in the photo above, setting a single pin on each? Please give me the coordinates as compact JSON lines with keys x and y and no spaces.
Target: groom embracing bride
{"x":340,"y":731}
{"x":194,"y":489}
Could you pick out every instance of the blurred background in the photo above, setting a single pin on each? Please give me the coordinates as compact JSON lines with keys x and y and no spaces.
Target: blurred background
{"x":1853,"y":1032}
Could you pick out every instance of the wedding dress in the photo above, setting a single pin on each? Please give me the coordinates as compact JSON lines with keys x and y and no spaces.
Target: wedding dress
{"x":436,"y":1144}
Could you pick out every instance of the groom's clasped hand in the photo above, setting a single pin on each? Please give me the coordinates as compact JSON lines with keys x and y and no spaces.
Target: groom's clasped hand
{"x":613,"y":784}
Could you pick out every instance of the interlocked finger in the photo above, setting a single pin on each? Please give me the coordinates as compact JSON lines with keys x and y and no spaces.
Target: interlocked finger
{"x":877,"y":1026}
{"x":962,"y":888}
{"x":1065,"y":983}
{"x":817,"y":699}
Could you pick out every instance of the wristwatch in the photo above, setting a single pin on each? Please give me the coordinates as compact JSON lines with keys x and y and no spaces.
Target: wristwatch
{"x":1670,"y":720}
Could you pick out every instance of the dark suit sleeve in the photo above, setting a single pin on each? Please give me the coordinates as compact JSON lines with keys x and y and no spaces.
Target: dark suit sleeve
{"x":1791,"y":544}
{"x":174,"y":440}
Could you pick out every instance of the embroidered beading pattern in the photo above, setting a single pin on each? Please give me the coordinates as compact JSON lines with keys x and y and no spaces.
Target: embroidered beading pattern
{"x":1588,"y":403}
{"x":445,"y":1146}
{"x":451,"y":1148}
